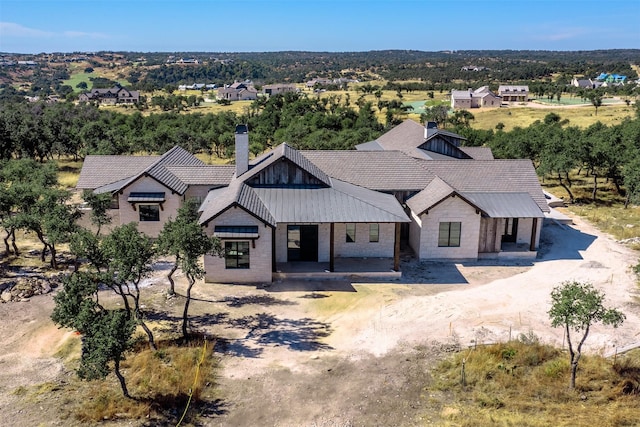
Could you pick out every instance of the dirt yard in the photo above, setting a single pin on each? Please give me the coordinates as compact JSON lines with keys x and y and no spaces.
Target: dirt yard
{"x":335,"y":353}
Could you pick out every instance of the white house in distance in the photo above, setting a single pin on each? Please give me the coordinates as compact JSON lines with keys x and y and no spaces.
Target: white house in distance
{"x":414,"y":185}
{"x":481,"y":97}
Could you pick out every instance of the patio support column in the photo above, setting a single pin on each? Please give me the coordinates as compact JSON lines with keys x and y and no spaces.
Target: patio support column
{"x":331,"y":250}
{"x":534,"y":232}
{"x":396,"y":249}
{"x":273,"y":250}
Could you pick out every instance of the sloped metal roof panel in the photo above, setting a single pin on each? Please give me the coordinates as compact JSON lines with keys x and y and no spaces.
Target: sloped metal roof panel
{"x":341,"y":203}
{"x":505,"y":205}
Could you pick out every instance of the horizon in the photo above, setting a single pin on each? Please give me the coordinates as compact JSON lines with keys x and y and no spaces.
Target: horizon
{"x":252,"y":26}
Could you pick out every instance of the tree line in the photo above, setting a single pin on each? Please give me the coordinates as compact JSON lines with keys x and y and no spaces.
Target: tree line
{"x":46,"y":131}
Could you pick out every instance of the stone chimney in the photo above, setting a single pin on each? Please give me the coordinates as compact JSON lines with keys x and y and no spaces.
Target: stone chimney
{"x":242,"y":149}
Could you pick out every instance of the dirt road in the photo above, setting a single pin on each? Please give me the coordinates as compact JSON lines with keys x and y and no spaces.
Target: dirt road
{"x":340,"y":353}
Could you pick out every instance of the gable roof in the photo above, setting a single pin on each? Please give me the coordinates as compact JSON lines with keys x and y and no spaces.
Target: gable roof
{"x":284,"y":151}
{"x":342,"y":202}
{"x":237,"y":194}
{"x":99,"y":170}
{"x":114,"y":173}
{"x":490,"y":176}
{"x":334,"y":201}
{"x":431,"y":195}
{"x":412,"y":138}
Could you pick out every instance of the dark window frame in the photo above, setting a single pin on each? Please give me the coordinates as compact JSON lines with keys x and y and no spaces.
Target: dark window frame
{"x":449,"y":234}
{"x":149,"y":213}
{"x":237,"y":255}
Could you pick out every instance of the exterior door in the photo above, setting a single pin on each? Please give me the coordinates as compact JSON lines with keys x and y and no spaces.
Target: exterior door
{"x":302,"y":243}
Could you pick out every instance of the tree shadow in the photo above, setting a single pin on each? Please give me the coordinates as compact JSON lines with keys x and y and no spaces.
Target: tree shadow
{"x":237,"y":348}
{"x":314,"y":295}
{"x":265,"y":300}
{"x":296,"y":334}
{"x":168,"y":408}
{"x":292,"y":285}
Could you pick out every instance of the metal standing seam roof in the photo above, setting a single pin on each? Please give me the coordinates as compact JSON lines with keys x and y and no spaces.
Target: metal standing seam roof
{"x":343,"y":202}
{"x":505,"y":205}
{"x":159,"y":171}
{"x":238,"y":194}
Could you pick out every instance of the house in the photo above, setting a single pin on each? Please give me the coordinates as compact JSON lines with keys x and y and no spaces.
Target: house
{"x":278,"y":88}
{"x":586,"y":83}
{"x":510,"y":93}
{"x":238,"y":92}
{"x":611,"y":79}
{"x":111,"y":96}
{"x":318,"y":206}
{"x":481,"y":97}
{"x":415,"y":186}
{"x":150,"y":189}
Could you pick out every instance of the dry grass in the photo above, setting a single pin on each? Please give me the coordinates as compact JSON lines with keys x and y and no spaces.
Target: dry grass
{"x":68,"y":172}
{"x":607,"y":213}
{"x":524,"y":116}
{"x":526,"y":384}
{"x":160,"y":381}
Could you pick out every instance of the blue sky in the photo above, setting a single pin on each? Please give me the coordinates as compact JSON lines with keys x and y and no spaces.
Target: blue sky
{"x":33,"y":26}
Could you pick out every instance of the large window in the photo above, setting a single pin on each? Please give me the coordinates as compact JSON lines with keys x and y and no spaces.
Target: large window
{"x":374,"y":232}
{"x":351,"y":233}
{"x":149,"y":212}
{"x":449,"y":234}
{"x":236,"y":254}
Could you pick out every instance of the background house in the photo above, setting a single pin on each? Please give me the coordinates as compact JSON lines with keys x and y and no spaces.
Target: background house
{"x":481,"y":97}
{"x":278,"y":88}
{"x":511,"y":93}
{"x":239,"y":91}
{"x":111,"y":96}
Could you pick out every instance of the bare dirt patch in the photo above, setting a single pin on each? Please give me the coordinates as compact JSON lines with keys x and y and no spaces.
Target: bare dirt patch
{"x":339,"y":353}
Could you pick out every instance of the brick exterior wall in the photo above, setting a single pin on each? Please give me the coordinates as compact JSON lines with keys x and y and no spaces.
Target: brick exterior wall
{"x":259,"y":257}
{"x":362,"y":247}
{"x":148,"y":185}
{"x":453,"y":209}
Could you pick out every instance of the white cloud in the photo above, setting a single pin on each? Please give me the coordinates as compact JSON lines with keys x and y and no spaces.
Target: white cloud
{"x":570,"y":33}
{"x":11,"y":29}
{"x":82,"y":34}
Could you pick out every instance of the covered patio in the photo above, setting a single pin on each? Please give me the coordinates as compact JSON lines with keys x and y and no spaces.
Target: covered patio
{"x":344,"y":268}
